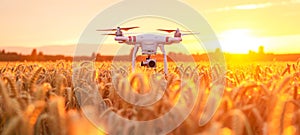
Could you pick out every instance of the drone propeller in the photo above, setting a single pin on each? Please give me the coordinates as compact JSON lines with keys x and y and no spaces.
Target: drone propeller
{"x":114,"y":34}
{"x":110,"y":34}
{"x":191,"y":33}
{"x":125,"y":29}
{"x":170,"y":31}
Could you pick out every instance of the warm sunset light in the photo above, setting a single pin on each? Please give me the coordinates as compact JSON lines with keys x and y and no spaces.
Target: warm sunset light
{"x":150,"y":67}
{"x":238,"y":41}
{"x":240,"y":25}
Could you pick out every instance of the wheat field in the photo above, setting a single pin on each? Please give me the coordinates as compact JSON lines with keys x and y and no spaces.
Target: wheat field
{"x":47,"y":98}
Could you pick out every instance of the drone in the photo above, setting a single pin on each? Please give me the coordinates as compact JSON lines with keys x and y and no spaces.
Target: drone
{"x":148,"y":43}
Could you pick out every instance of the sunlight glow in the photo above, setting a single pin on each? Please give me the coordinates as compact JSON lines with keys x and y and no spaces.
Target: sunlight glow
{"x":252,"y":6}
{"x":239,"y":41}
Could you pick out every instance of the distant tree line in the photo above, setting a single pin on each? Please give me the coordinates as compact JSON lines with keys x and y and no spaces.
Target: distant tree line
{"x":34,"y":56}
{"x":172,"y":56}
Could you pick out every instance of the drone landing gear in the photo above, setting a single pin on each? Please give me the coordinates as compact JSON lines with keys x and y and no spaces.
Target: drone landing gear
{"x":150,"y":62}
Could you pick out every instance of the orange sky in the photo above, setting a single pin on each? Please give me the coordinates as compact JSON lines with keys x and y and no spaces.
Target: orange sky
{"x":240,"y":25}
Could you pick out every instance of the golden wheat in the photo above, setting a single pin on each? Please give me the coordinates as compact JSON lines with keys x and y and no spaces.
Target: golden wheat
{"x":47,"y":98}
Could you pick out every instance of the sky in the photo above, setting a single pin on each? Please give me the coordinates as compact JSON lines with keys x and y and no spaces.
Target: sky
{"x":240,"y":25}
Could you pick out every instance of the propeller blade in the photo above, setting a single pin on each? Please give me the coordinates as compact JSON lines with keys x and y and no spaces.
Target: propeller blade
{"x":125,"y":29}
{"x":112,"y":34}
{"x":106,"y":30}
{"x":129,"y":28}
{"x":186,"y":31}
{"x":192,"y":33}
{"x":169,"y":31}
{"x":109,"y":34}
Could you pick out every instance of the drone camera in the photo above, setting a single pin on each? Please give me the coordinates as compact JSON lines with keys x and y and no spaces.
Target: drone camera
{"x":150,"y":63}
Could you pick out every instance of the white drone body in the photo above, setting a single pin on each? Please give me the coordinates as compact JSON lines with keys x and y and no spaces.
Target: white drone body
{"x":148,"y":43}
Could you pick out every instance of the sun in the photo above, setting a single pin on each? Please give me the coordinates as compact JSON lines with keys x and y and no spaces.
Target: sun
{"x":239,"y":41}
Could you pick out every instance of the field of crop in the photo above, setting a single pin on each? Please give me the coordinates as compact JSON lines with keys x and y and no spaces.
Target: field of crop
{"x":57,"y":98}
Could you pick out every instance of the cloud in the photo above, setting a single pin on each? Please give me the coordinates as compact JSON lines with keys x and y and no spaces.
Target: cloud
{"x":253,"y":6}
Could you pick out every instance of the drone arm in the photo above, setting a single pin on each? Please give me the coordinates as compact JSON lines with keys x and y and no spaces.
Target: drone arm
{"x":176,"y":39}
{"x":135,"y":49}
{"x":130,"y":40}
{"x":121,"y":38}
{"x":172,"y":40}
{"x":162,"y":48}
